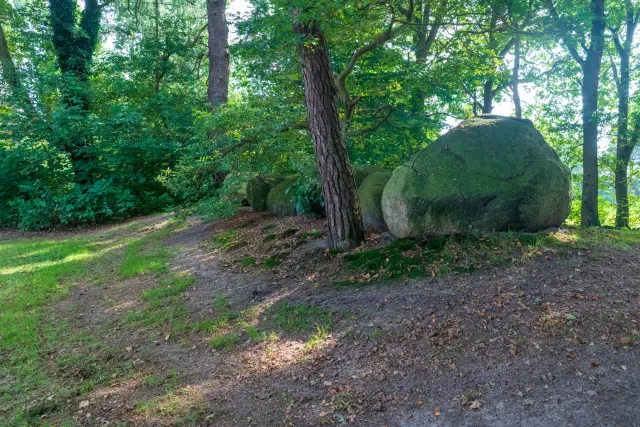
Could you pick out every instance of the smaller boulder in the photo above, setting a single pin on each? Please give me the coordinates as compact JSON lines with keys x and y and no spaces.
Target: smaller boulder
{"x":280,"y":200}
{"x":370,"y":195}
{"x":360,"y":172}
{"x":258,"y":189}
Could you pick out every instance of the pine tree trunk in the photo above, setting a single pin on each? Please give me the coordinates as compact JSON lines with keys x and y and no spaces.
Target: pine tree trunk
{"x":218,"y":82}
{"x":338,"y":185}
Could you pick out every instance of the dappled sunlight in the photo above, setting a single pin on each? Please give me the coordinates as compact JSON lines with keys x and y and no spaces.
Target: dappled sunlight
{"x":174,"y":404}
{"x":117,"y":387}
{"x":77,"y":257}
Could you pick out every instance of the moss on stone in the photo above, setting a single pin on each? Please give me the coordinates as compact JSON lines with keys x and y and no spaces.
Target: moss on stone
{"x":360,"y":172}
{"x":488,"y":174}
{"x":280,"y":201}
{"x":370,"y":195}
{"x":258,"y":189}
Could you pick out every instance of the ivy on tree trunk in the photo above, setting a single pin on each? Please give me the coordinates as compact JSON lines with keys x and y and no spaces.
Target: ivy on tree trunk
{"x":75,"y":44}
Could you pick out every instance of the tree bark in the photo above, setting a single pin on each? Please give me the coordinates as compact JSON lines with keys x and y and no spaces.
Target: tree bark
{"x":487,"y":97}
{"x":218,"y":81}
{"x":342,"y":206}
{"x":624,"y":145}
{"x":590,"y":88}
{"x":515,"y":80}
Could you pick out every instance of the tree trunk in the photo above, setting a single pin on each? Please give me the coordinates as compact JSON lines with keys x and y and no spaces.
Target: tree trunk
{"x":622,"y":188}
{"x":338,"y":185}
{"x":623,"y":154}
{"x":590,"y":87}
{"x":218,"y":82}
{"x":625,"y":145}
{"x":487,"y":104}
{"x":590,"y":83}
{"x":516,"y":79}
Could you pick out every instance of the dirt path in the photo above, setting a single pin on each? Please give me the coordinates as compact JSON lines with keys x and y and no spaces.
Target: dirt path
{"x":544,"y":343}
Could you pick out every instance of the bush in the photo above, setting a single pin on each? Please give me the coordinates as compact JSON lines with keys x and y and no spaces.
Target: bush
{"x":307,"y":195}
{"x":32,"y":174}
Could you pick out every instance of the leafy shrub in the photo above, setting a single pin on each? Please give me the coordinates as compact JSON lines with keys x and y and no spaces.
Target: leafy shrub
{"x":307,"y":195}
{"x":98,"y":202}
{"x":32,"y":173}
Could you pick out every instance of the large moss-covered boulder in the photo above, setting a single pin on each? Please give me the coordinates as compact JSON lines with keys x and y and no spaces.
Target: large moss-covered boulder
{"x":258,"y":188}
{"x":280,"y":201}
{"x":488,"y":174}
{"x":360,"y":172}
{"x":370,"y":195}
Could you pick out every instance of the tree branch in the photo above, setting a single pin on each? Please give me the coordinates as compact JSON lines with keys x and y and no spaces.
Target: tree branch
{"x":565,"y":38}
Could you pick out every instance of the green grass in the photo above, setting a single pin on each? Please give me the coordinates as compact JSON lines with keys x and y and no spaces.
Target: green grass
{"x":223,"y":316}
{"x":415,"y":258}
{"x":247,"y":261}
{"x":226,"y":341}
{"x":292,"y":317}
{"x":270,"y":238}
{"x":227,"y":240}
{"x":312,"y":234}
{"x":318,"y":338}
{"x":269,"y":227}
{"x":271,"y":263}
{"x":412,"y":258}
{"x":35,"y":273}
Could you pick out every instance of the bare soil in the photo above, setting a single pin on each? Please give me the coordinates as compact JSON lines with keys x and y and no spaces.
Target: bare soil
{"x":543,"y":343}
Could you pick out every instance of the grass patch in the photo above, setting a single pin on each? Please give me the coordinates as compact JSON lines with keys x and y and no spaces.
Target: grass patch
{"x":226,"y":341}
{"x":224,"y":316}
{"x":270,"y":238}
{"x":247,"y":261}
{"x":35,"y":273}
{"x":272,"y":262}
{"x":292,"y":317}
{"x":317,"y":339}
{"x":269,"y":227}
{"x":312,"y":234}
{"x":227,"y":240}
{"x":165,"y":306}
{"x":412,"y":258}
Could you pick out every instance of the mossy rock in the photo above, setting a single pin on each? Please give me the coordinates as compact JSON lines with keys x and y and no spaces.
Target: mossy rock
{"x":258,"y":189}
{"x":488,"y":174}
{"x":370,"y":195}
{"x":280,"y":200}
{"x":360,"y":172}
